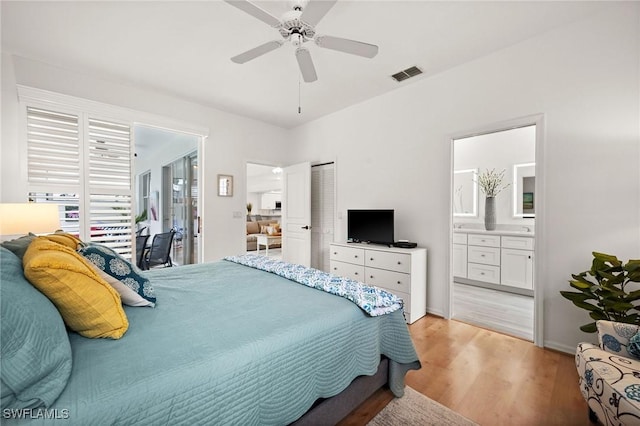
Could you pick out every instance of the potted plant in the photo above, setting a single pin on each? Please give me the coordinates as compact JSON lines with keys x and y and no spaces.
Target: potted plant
{"x":606,"y":291}
{"x":490,"y":182}
{"x":249,"y":208}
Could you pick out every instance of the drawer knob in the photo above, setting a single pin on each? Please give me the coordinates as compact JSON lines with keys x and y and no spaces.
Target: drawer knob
{"x":335,"y":252}
{"x":399,"y":263}
{"x":529,"y":256}
{"x":356,"y":273}
{"x":481,"y":273}
{"x":482,"y":255}
{"x":371,"y":258}
{"x":399,"y":282}
{"x":335,"y":268}
{"x":371,"y":276}
{"x":356,"y":256}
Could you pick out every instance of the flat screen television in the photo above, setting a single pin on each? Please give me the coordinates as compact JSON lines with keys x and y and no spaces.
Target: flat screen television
{"x":370,"y":226}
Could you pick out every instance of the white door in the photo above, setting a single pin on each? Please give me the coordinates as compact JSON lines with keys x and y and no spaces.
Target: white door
{"x":296,"y":214}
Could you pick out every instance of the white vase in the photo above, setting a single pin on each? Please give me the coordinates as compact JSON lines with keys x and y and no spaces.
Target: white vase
{"x":490,"y":213}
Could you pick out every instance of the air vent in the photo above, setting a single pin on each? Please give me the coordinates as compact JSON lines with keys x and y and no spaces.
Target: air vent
{"x":408,"y":73}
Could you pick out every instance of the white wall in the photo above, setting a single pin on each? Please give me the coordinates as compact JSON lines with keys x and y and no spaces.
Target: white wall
{"x":394,"y":151}
{"x":499,"y":151}
{"x":233,"y":140}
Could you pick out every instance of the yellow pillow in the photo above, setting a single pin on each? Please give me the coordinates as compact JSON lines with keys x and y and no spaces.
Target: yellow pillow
{"x":87,"y":303}
{"x":64,"y":239}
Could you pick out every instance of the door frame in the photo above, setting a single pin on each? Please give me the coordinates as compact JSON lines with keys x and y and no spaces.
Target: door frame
{"x":201,"y":133}
{"x":540,"y":229}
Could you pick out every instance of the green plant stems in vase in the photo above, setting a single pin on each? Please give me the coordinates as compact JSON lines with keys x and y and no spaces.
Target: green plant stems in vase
{"x":490,"y":213}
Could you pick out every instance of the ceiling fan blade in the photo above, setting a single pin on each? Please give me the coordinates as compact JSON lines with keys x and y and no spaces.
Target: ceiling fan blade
{"x":306,"y":65}
{"x":257,"y":51}
{"x":255,"y":11}
{"x":314,"y":11}
{"x":348,"y":46}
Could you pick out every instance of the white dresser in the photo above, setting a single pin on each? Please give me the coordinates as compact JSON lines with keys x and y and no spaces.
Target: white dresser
{"x":403,"y":272}
{"x":494,"y":258}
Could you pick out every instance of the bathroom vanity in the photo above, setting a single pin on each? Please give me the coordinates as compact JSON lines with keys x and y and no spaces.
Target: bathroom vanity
{"x":498,"y":258}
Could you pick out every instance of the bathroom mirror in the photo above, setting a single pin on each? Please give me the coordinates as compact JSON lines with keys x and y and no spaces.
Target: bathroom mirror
{"x":465,"y":193}
{"x":524,"y":190}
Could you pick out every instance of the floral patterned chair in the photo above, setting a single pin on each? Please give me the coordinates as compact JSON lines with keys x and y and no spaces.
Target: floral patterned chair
{"x":610,"y":374}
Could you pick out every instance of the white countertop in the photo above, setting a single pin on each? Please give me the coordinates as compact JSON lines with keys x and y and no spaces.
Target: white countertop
{"x":496,"y":232}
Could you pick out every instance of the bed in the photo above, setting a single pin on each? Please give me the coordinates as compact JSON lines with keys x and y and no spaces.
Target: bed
{"x":227,"y":344}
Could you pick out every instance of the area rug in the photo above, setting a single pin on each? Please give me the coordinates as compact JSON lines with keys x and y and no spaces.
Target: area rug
{"x":416,"y":409}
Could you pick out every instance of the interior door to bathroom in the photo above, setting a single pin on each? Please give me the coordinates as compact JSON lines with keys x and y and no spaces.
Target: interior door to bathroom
{"x":493,"y":282}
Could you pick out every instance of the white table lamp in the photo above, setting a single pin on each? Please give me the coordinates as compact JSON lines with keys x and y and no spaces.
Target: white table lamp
{"x":21,"y":218}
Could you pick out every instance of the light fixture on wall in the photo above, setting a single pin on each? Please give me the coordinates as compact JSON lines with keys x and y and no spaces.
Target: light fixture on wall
{"x":20,"y":218}
{"x":276,"y":170}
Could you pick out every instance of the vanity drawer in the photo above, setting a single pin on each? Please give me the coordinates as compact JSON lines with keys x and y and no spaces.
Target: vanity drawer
{"x":398,"y":262}
{"x":484,"y":255}
{"x":520,"y":243}
{"x":392,"y":281}
{"x":487,"y":273}
{"x":347,"y":254}
{"x":483,"y":240}
{"x":347,"y":270}
{"x":459,"y":238}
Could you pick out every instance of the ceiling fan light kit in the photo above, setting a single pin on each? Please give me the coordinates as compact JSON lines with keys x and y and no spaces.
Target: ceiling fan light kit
{"x":298,"y":27}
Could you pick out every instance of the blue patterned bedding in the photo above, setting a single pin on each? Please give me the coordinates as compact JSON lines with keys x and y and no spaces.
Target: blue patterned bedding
{"x":374,"y":301}
{"x":228,"y":344}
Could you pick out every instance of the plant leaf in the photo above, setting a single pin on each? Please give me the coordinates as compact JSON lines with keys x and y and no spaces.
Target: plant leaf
{"x":589,"y":328}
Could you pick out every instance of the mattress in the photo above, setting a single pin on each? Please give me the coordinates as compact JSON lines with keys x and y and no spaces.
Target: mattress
{"x":228,"y":344}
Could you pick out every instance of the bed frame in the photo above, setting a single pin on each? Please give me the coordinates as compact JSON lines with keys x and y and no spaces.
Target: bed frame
{"x":330,"y":411}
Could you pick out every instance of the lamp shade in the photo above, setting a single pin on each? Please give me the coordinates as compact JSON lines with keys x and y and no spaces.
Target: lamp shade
{"x":20,"y":218}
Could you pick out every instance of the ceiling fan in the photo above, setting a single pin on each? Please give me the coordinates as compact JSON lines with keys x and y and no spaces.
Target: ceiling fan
{"x":298,"y":27}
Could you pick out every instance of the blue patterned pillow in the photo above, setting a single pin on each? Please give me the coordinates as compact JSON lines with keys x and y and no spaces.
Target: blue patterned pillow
{"x":634,"y":346}
{"x":134,"y":289}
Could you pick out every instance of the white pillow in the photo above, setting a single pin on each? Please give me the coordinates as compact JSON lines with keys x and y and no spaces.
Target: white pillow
{"x":128,"y":296}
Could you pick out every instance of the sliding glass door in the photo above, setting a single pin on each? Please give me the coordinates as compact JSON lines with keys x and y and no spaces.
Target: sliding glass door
{"x":180,"y":207}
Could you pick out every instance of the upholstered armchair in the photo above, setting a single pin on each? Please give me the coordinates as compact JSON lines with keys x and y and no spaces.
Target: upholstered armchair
{"x":610,"y":375}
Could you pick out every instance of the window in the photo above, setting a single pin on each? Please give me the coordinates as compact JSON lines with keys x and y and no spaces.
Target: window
{"x":83,"y":164}
{"x":144,"y":189}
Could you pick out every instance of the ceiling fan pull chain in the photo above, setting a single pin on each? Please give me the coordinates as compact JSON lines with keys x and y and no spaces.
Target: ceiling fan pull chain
{"x":299,"y":107}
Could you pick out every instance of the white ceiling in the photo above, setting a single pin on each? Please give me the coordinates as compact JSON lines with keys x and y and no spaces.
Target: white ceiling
{"x":183,"y":48}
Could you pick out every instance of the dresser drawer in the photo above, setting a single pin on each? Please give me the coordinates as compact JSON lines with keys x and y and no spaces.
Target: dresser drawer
{"x":347,"y":254}
{"x":483,"y":240}
{"x":385,"y":260}
{"x":406,"y":300}
{"x":484,"y":255}
{"x":459,"y":238}
{"x":487,"y":273}
{"x":347,"y":270}
{"x":521,"y":243}
{"x":390,"y":280}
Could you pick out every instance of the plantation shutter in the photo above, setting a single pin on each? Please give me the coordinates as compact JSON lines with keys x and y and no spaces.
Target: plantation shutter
{"x":86,"y":172}
{"x":53,"y":148}
{"x":109,"y":186}
{"x":54,"y":163}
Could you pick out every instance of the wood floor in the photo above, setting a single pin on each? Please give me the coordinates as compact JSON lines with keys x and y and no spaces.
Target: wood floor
{"x":488,"y":377}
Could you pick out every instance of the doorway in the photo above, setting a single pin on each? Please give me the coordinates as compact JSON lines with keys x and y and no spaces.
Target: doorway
{"x":493,"y":268}
{"x":264,"y":209}
{"x":167,"y":181}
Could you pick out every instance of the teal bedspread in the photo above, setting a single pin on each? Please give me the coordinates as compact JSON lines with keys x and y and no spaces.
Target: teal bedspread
{"x":228,"y":344}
